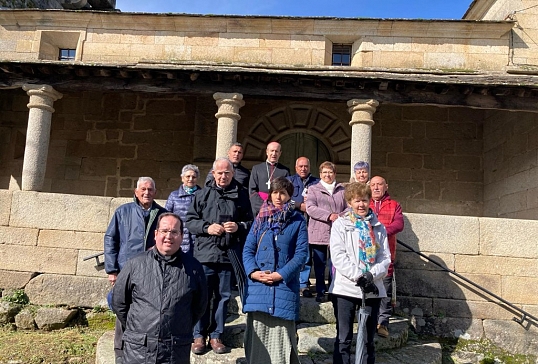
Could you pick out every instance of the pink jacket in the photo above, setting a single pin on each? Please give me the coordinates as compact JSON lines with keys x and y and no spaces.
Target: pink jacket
{"x":320,"y":204}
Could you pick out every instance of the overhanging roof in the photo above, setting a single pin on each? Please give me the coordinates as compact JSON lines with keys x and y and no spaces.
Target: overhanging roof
{"x":513,"y":91}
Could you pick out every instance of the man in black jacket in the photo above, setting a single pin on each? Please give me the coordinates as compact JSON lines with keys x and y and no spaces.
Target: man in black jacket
{"x":241,"y":174}
{"x":220,"y":216}
{"x":158,"y":297}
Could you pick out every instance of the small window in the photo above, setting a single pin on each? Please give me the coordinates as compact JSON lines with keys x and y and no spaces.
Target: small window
{"x":67,"y":54}
{"x":341,"y":55}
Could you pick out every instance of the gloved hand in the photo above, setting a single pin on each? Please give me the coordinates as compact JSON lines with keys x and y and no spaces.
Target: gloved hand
{"x":365,"y":279}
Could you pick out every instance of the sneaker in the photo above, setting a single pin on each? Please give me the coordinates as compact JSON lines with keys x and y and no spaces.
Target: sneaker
{"x":305,"y":292}
{"x":320,"y":297}
{"x":382,"y":331}
{"x":198,"y":346}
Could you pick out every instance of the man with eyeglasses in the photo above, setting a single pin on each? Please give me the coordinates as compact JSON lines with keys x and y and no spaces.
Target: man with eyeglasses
{"x":220,"y":216}
{"x":158,"y":297}
{"x":131,"y":231}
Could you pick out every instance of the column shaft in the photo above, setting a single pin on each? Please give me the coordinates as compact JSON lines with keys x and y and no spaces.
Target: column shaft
{"x":42,"y":98}
{"x":228,"y":116}
{"x":362,"y":120}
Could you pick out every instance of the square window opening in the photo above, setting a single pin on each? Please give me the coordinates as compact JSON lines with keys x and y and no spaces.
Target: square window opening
{"x":341,"y":55}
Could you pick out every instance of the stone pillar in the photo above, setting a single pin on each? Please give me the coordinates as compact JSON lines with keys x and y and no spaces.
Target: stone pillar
{"x":362,"y":119}
{"x":228,"y":116}
{"x":42,"y":98}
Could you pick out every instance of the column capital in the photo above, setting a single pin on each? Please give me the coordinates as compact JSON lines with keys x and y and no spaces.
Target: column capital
{"x":362,"y":110}
{"x":229,"y":105}
{"x":41,"y":96}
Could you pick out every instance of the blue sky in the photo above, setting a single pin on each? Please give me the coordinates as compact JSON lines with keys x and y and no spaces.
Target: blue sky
{"x":408,"y":9}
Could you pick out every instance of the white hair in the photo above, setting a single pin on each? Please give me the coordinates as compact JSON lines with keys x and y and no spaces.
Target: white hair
{"x":143,"y":180}
{"x":223,"y":159}
{"x":190,"y":167}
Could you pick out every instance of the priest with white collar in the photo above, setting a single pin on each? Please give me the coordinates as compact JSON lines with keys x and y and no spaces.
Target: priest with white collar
{"x":262,"y":174}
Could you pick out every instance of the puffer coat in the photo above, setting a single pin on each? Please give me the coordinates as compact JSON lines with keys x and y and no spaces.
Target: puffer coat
{"x":158,"y":302}
{"x":179,"y":202}
{"x":284,"y":253}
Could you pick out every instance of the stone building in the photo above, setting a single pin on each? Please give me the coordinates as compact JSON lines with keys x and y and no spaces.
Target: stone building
{"x":444,"y":109}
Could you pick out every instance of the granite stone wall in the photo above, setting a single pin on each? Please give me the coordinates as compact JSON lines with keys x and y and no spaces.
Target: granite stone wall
{"x":45,"y":236}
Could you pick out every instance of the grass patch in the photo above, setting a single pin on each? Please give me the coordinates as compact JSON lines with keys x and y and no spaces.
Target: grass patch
{"x":484,"y":351}
{"x":73,"y":345}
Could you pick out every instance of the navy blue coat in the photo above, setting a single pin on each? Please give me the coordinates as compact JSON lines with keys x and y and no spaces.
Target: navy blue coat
{"x":299,"y":186}
{"x":128,"y":235}
{"x":284,"y":253}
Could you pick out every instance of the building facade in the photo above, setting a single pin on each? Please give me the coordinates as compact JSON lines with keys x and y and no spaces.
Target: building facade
{"x":445,"y":110}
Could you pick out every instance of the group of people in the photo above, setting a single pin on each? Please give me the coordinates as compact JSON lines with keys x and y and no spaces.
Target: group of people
{"x":173,"y":268}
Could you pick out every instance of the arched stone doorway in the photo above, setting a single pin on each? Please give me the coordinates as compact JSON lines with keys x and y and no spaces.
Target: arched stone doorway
{"x":301,"y":144}
{"x":303,"y":130}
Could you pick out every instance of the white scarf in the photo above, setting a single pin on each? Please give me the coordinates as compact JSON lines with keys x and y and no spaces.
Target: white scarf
{"x":328,"y":187}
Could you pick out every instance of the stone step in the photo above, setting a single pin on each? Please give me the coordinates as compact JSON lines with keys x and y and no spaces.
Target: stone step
{"x":316,"y":338}
{"x":416,"y":352}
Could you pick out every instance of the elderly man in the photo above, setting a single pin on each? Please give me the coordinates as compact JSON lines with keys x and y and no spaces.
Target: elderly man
{"x":158,"y":297}
{"x":301,"y":181}
{"x":220,"y":216}
{"x":130,"y":232}
{"x":263,"y":174}
{"x":241,"y":174}
{"x":389,"y":213}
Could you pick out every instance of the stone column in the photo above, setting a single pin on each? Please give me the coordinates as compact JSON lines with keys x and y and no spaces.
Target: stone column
{"x":228,"y":116}
{"x":42,"y":98}
{"x":362,"y":119}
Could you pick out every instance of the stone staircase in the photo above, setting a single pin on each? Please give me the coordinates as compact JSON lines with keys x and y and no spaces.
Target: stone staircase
{"x":316,"y":337}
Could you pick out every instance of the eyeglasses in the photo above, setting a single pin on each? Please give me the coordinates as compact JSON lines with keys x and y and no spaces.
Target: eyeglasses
{"x":164,"y":232}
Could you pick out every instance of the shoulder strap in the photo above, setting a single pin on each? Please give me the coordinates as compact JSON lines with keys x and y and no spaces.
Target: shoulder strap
{"x":260,"y":240}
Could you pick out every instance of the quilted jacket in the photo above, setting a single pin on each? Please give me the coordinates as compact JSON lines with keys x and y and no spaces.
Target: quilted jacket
{"x":158,"y":302}
{"x":284,"y":253}
{"x":178,"y":202}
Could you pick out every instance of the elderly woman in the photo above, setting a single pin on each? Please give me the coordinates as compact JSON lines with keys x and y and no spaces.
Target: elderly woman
{"x":361,"y":172}
{"x":325,"y":202}
{"x":361,"y":258}
{"x":275,"y":250}
{"x":179,"y":201}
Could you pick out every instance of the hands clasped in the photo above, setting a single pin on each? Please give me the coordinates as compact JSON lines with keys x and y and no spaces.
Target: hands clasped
{"x":266,"y":277}
{"x":219,"y":229}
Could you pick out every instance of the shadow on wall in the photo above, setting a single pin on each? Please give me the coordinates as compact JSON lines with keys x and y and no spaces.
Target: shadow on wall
{"x":432,"y":299}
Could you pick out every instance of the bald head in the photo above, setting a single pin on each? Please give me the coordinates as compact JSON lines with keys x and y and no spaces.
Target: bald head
{"x":273,"y":152}
{"x":302,"y":167}
{"x":379,"y":187}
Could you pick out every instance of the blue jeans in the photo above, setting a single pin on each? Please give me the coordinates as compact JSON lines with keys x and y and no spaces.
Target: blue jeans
{"x":345,"y":309}
{"x":218,"y":276}
{"x":320,"y":259}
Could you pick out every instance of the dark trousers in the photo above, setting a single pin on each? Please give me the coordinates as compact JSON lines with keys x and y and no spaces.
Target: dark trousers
{"x":304,"y":274}
{"x":345,"y":309}
{"x":218,"y":276}
{"x":118,"y":339}
{"x":385,"y":308}
{"x":320,"y":259}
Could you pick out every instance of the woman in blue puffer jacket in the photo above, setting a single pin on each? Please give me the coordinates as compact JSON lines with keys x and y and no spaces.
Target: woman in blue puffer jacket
{"x":275,"y":251}
{"x":179,"y":201}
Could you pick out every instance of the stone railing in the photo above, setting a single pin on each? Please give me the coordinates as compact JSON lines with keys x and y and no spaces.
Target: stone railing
{"x":44,"y":238}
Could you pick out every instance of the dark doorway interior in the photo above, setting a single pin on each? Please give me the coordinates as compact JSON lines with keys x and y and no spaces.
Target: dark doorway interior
{"x":303,"y":145}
